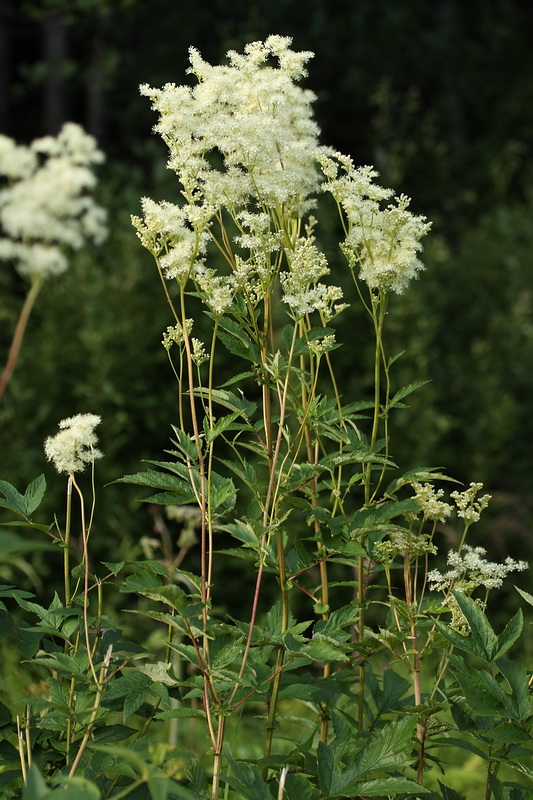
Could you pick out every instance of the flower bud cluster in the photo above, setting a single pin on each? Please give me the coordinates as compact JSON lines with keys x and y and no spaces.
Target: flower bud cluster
{"x":174,"y":334}
{"x":428,"y":498}
{"x":405,"y":544}
{"x":467,"y":506}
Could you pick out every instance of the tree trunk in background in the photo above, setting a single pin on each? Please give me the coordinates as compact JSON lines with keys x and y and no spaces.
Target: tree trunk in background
{"x":96,"y":80}
{"x":4,"y":66}
{"x":55,"y":57}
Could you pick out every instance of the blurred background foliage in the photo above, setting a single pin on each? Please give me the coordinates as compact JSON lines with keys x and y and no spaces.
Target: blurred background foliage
{"x":436,"y":95}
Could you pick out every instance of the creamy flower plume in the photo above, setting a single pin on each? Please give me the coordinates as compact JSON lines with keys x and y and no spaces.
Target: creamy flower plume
{"x":470,"y":569}
{"x":74,"y":446}
{"x":250,"y":113}
{"x":381,"y":242}
{"x":47,"y":206}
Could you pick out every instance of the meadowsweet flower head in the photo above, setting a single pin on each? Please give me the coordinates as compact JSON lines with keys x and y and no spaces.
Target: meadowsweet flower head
{"x":405,"y":544}
{"x":174,"y":334}
{"x":254,"y":115}
{"x":469,"y":570}
{"x":381,"y":242}
{"x":428,"y":498}
{"x":47,"y":205}
{"x":322,"y":345}
{"x":199,"y":354}
{"x":302,"y":291}
{"x":217,"y":290}
{"x":74,"y":446}
{"x":174,"y":234}
{"x":469,"y":506}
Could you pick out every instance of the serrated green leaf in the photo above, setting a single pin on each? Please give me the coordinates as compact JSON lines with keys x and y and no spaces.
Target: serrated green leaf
{"x":510,"y":634}
{"x":34,"y":494}
{"x":462,"y":744}
{"x":297,"y":787}
{"x":247,"y":781}
{"x":244,"y":471}
{"x":186,"y":444}
{"x":386,"y":786}
{"x":245,"y":408}
{"x":325,"y":764}
{"x":35,"y":788}
{"x":221,"y":425}
{"x":140,"y":581}
{"x":518,"y":679}
{"x":405,"y":391}
{"x":449,"y":794}
{"x":114,"y":567}
{"x":390,"y":748}
{"x":223,"y":495}
{"x":112,"y":733}
{"x":527,"y":597}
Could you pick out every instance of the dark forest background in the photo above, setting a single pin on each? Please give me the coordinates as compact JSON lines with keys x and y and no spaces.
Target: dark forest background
{"x":438,"y":96}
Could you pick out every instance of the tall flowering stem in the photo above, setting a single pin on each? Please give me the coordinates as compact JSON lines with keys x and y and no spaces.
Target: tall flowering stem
{"x":244,"y":146}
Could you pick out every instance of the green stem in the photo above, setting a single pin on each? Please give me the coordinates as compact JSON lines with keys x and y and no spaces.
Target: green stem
{"x":98,"y":699}
{"x":66,"y":543}
{"x":272,"y":710}
{"x":217,"y":763}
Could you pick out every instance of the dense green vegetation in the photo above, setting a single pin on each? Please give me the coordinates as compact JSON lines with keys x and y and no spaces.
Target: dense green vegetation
{"x":436,"y":97}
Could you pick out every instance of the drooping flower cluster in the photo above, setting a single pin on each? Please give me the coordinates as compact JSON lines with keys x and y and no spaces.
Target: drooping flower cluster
{"x":46,"y":206}
{"x":382,"y":243}
{"x":74,"y":446}
{"x":469,"y":570}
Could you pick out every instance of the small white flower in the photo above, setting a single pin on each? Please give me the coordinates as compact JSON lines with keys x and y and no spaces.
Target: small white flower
{"x":199,"y":355}
{"x":73,"y":447}
{"x":428,"y":498}
{"x":470,"y":569}
{"x":468,"y":507}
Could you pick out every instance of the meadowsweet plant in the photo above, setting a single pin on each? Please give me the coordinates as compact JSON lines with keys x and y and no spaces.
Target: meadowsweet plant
{"x":46,"y":210}
{"x":350,"y":665}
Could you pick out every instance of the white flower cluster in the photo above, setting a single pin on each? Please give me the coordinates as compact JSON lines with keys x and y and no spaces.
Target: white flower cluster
{"x":174,"y":334}
{"x":174,"y":235}
{"x":199,"y":354}
{"x":467,"y":506}
{"x":250,"y":113}
{"x":46,"y":206}
{"x":470,"y":570}
{"x":217,"y":290}
{"x":428,"y":498}
{"x":302,"y":292}
{"x":382,"y":242}
{"x":322,"y":345}
{"x":74,"y":446}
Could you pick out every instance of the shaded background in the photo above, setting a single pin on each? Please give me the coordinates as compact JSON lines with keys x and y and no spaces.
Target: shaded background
{"x":438,"y":96}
